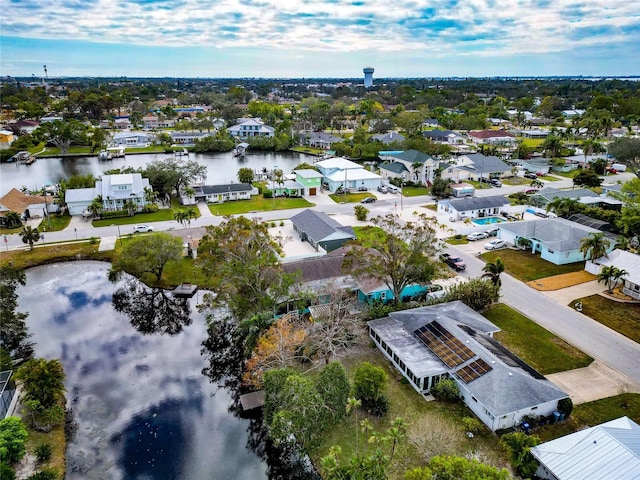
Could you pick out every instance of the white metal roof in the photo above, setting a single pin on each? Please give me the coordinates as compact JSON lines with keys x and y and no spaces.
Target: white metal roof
{"x":624,"y":260}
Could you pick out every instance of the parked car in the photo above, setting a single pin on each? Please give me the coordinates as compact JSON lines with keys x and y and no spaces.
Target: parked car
{"x":383,"y":189}
{"x":142,"y":229}
{"x":495,"y":244}
{"x":454,"y":262}
{"x":483,"y":180}
{"x":493,"y":232}
{"x":368,"y":200}
{"x":476,"y":236}
{"x":393,"y":189}
{"x":495,"y":182}
{"x":362,"y":188}
{"x":530,"y":175}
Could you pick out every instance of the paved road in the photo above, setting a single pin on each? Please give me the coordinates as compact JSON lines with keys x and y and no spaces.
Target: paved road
{"x":591,"y":337}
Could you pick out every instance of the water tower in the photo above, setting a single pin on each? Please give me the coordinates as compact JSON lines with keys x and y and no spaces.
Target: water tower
{"x":368,"y":76}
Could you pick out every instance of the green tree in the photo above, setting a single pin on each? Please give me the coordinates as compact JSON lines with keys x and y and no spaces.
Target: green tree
{"x":476,"y":293}
{"x":245,"y":175}
{"x":404,"y":255}
{"x":369,"y":382}
{"x":594,"y":246}
{"x":518,"y":446}
{"x":588,"y":178}
{"x":535,"y":183}
{"x":334,"y":387}
{"x":361,"y":212}
{"x":563,"y":207}
{"x":62,"y":133}
{"x":627,"y":151}
{"x":147,"y":254}
{"x":14,"y":336}
{"x":242,"y":263}
{"x":493,"y":270}
{"x":42,"y":381}
{"x":13,"y":435}
{"x":441,"y":188}
{"x":12,"y":219}
{"x":446,"y":390}
{"x":552,"y":146}
{"x":174,"y":174}
{"x":29,"y":235}
{"x":456,"y":468}
{"x":184,"y":217}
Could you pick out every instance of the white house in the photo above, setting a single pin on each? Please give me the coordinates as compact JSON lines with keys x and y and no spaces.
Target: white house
{"x":421,"y":167}
{"x":340,"y":172}
{"x":451,"y":340}
{"x":473,"y":207}
{"x":492,"y":137}
{"x":116,"y":192}
{"x":132,"y":139}
{"x":251,"y":127}
{"x":222,"y":193}
{"x":609,"y":451}
{"x":624,"y":261}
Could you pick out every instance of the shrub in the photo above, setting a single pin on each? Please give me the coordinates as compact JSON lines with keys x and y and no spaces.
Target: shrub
{"x":472,"y":425}
{"x":369,"y":382}
{"x":43,"y":452}
{"x":361,"y":213}
{"x":93,"y":240}
{"x":115,"y":214}
{"x":446,"y":391}
{"x":378,"y":407}
{"x":6,"y":472}
{"x":532,"y":420}
{"x":565,"y":406}
{"x":266,"y":193}
{"x":282,"y":223}
{"x":476,"y":293}
{"x":150,"y":208}
{"x":13,"y":434}
{"x":45,"y":474}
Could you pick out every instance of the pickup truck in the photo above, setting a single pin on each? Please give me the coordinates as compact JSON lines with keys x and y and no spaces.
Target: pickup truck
{"x":454,"y":262}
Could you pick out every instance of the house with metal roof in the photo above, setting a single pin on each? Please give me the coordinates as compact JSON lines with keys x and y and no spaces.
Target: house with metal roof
{"x":310,"y":180}
{"x":630,"y":262}
{"x":443,"y":136}
{"x":338,"y":172}
{"x":609,"y":451}
{"x":116,"y":192}
{"x":548,"y":194}
{"x":473,"y":207}
{"x":492,"y":137}
{"x":222,"y":193}
{"x":451,"y":340}
{"x":320,"y":230}
{"x":389,"y":137}
{"x":557,"y":240}
{"x":319,"y":139}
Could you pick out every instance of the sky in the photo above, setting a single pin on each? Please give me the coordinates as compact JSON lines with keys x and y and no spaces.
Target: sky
{"x":319,"y":38}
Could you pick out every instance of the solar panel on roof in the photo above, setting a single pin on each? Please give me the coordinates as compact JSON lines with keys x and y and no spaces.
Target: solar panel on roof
{"x":474,"y":370}
{"x":440,"y":341}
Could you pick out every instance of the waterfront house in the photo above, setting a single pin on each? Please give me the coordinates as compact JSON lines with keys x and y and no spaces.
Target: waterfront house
{"x":251,"y":127}
{"x":310,"y":180}
{"x":319,"y":139}
{"x":132,"y":139}
{"x":389,"y":137}
{"x":6,"y":139}
{"x":222,"y":193}
{"x":27,"y":206}
{"x":116,"y":191}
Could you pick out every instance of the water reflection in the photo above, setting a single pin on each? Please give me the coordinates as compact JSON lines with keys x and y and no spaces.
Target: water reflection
{"x":143,"y":407}
{"x":151,"y":310}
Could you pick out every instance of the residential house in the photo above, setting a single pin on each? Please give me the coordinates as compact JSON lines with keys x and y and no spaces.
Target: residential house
{"x":389,"y":137}
{"x":473,"y":207}
{"x":474,"y":166}
{"x":492,"y":137}
{"x":309,"y":180}
{"x":421,"y":166}
{"x":624,"y":261}
{"x":534,"y":165}
{"x":222,"y":193}
{"x":556,"y":239}
{"x":152,"y":121}
{"x":451,"y":340}
{"x":321,"y":231}
{"x":24,"y":126}
{"x":533,"y":133}
{"x":27,"y":206}
{"x":430,"y":123}
{"x":251,"y":127}
{"x":394,"y":170}
{"x":116,"y":192}
{"x":132,"y":139}
{"x":319,"y":139}
{"x":572,"y":112}
{"x":609,"y":451}
{"x":187,"y":138}
{"x":548,"y":194}
{"x":375,"y":290}
{"x":338,"y":172}
{"x":320,"y":273}
{"x":8,"y":397}
{"x":6,"y":139}
{"x":443,"y":136}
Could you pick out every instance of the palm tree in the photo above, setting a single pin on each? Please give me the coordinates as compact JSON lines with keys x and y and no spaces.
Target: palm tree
{"x":395,"y":433}
{"x":493,"y":270}
{"x":12,"y":219}
{"x":30,"y":235}
{"x":552,"y":146}
{"x":594,"y":246}
{"x":536,"y":183}
{"x":617,"y":274}
{"x":606,"y":276}
{"x":622,"y":242}
{"x":416,"y":166}
{"x":352,"y":405}
{"x":563,"y":207}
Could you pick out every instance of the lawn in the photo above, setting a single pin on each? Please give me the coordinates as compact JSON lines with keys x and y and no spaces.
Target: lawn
{"x":58,"y":443}
{"x":414,"y":191}
{"x":532,"y":142}
{"x":526,"y":267}
{"x":457,"y":241}
{"x":569,"y":174}
{"x":434,"y":427}
{"x":258,"y":204}
{"x":516,"y":181}
{"x":624,"y":318}
{"x":55,"y":223}
{"x":54,"y":253}
{"x":595,"y":413}
{"x":159,"y":216}
{"x":534,"y":344}
{"x":478,"y":185}
{"x":309,"y":150}
{"x":549,"y":178}
{"x":368,"y":234}
{"x":10,"y":231}
{"x":562,"y":281}
{"x":349,"y":197}
{"x":431,"y":206}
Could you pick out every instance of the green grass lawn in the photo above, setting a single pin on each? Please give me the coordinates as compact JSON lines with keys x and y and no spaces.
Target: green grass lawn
{"x":258,"y":204}
{"x":516,"y":181}
{"x":10,"y":231}
{"x":532,"y":142}
{"x":457,"y":241}
{"x":368,"y":234}
{"x":309,"y":150}
{"x":415,"y":191}
{"x":624,"y":318}
{"x":55,"y":223}
{"x":54,"y":253}
{"x":431,"y":206}
{"x":350,"y":197}
{"x":549,"y":178}
{"x":537,"y":346}
{"x":159,"y":216}
{"x":526,"y":267}
{"x":478,"y":185}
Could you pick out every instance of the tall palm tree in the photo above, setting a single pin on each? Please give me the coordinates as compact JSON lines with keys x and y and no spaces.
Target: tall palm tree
{"x":594,"y":246}
{"x":617,"y":274}
{"x":30,"y":235}
{"x":416,"y":166}
{"x":606,"y":276}
{"x":352,"y":405}
{"x":622,"y":242}
{"x":493,"y":270}
{"x":535,"y":183}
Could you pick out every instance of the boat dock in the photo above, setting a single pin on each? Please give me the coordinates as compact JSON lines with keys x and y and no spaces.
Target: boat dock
{"x":185,"y":290}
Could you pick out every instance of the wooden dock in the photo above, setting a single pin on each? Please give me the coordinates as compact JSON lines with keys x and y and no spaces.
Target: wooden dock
{"x":252,"y":400}
{"x":185,"y":290}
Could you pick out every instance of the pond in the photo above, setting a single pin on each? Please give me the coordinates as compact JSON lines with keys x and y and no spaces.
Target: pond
{"x":221,"y":167}
{"x":144,"y":410}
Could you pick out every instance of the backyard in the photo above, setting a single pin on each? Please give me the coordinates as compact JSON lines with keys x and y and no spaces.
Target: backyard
{"x":526,"y":267}
{"x":624,"y":318}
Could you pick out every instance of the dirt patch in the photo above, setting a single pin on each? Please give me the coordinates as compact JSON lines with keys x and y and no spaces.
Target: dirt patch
{"x":564,"y":280}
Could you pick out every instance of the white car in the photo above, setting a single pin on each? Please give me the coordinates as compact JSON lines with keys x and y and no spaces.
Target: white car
{"x":142,"y":229}
{"x":476,"y":236}
{"x":495,"y":244}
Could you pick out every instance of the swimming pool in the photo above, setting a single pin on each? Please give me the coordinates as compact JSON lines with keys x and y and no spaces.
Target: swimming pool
{"x":487,"y":220}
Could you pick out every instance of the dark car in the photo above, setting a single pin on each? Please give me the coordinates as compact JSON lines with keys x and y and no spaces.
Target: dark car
{"x":493,"y":232}
{"x":454,"y":262}
{"x":530,"y":175}
{"x":495,"y":182}
{"x":362,"y":188}
{"x":368,"y":200}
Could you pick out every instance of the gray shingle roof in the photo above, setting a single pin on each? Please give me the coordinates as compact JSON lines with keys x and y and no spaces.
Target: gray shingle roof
{"x":483,"y":165}
{"x":319,"y":226}
{"x":437,"y":134}
{"x":478,"y":203}
{"x":230,"y":187}
{"x":412,"y":156}
{"x":556,"y":233}
{"x":549,"y":193}
{"x":395,"y":167}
